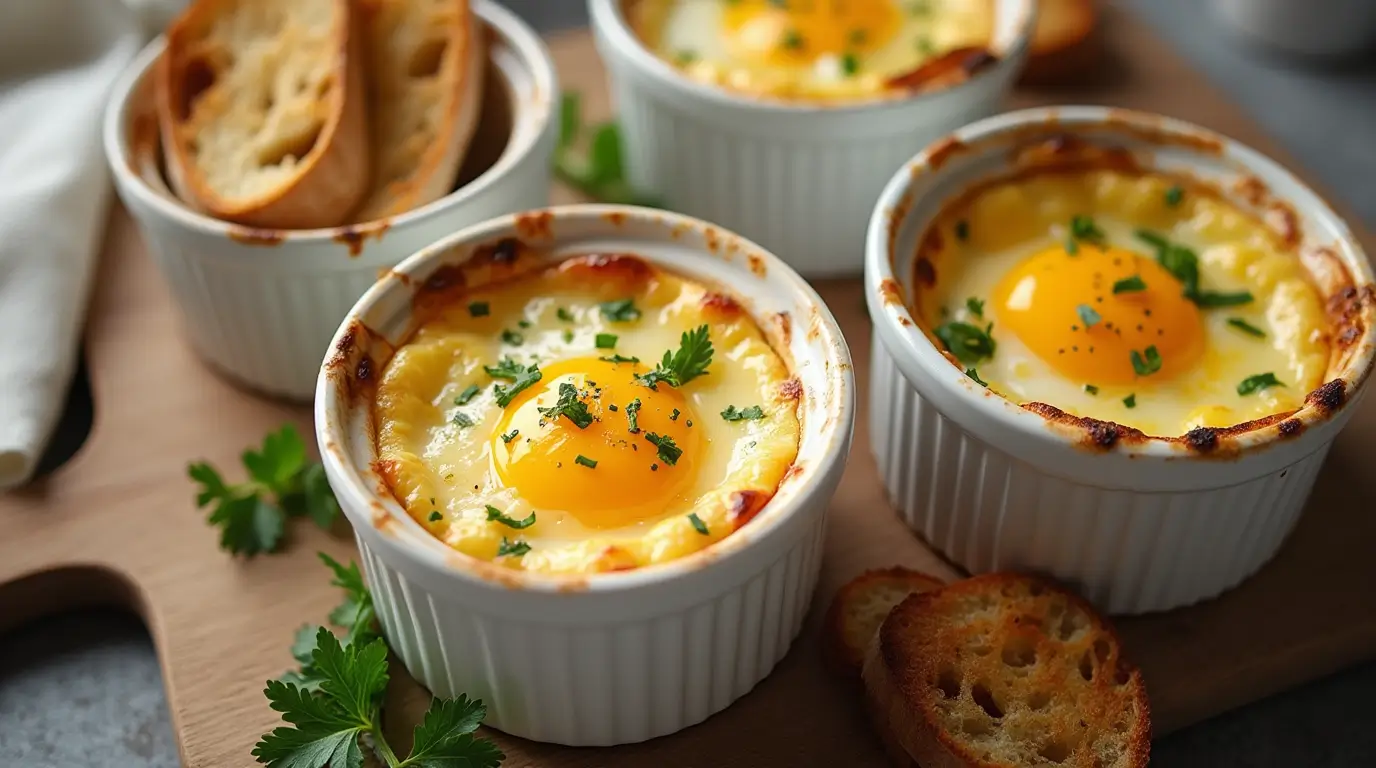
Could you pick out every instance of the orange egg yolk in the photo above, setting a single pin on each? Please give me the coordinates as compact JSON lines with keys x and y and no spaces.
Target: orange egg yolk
{"x":786,"y":32}
{"x":632,"y":480}
{"x":1064,"y":307}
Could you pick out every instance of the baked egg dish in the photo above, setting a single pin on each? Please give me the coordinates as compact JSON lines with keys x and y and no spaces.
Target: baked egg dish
{"x":595,"y":415}
{"x":1124,"y":296}
{"x":818,"y":49}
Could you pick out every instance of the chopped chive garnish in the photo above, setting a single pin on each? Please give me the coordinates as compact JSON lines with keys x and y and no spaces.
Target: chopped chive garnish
{"x":1146,"y":362}
{"x":564,"y":314}
{"x":514,"y":549}
{"x":513,"y":338}
{"x":1246,"y":327}
{"x":620,"y":310}
{"x":606,"y":340}
{"x":975,"y":306}
{"x":850,"y":64}
{"x":632,"y":413}
{"x":467,"y":395}
{"x":674,"y":416}
{"x":585,"y":461}
{"x":686,"y":57}
{"x":698,"y":525}
{"x":495,"y":515}
{"x":1174,"y":195}
{"x":478,"y":309}
{"x":974,"y":376}
{"x":509,"y":436}
{"x":1130,"y":401}
{"x":1087,"y":315}
{"x":568,"y":336}
{"x":1254,"y":384}
{"x":435,"y":516}
{"x":792,"y":40}
{"x":1132,"y":284}
{"x":753,"y":413}
{"x":620,"y":359}
{"x":1091,"y":389}
{"x":1215,"y":299}
{"x":524,"y":379}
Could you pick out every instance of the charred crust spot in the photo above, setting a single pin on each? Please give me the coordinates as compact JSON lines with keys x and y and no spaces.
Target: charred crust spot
{"x":613,"y":558}
{"x":720,"y":304}
{"x":955,"y":66}
{"x":924,"y":271}
{"x":784,"y":322}
{"x":943,"y":150}
{"x":615,"y":218}
{"x":890,"y":292}
{"x":1201,"y":439}
{"x":536,"y":224}
{"x":1328,"y":397}
{"x":742,"y":506}
{"x":363,"y":372}
{"x":444,"y":277}
{"x":354,"y":235}
{"x":791,"y":389}
{"x":903,"y":320}
{"x":1281,"y":218}
{"x":712,"y":239}
{"x":505,"y":252}
{"x":932,"y":242}
{"x":1251,"y":189}
{"x":794,"y":470}
{"x":252,"y":236}
{"x":1103,"y":434}
{"x":622,"y":267}
{"x":346,"y":344}
{"x":1098,"y":435}
{"x":756,"y":264}
{"x":1290,"y":428}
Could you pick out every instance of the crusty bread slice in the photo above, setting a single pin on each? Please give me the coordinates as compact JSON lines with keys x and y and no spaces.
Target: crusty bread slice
{"x":1063,"y":43}
{"x":425,"y":80}
{"x":261,"y":110}
{"x":858,"y":609}
{"x":1006,"y":671}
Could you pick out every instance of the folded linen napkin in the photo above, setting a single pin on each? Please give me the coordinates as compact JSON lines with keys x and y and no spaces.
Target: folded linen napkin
{"x":58,"y":61}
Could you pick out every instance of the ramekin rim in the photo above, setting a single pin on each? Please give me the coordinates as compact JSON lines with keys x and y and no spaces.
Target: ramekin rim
{"x":423,"y":548}
{"x":900,"y":333}
{"x":531,"y":121}
{"x":608,"y":18}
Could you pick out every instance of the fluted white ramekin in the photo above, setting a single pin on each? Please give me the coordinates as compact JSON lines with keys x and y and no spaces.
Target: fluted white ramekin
{"x":798,"y":177}
{"x":608,"y":658}
{"x":260,"y":305}
{"x":1138,"y":524}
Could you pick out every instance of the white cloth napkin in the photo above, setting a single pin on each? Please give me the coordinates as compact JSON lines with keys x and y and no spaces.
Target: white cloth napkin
{"x":58,"y":61}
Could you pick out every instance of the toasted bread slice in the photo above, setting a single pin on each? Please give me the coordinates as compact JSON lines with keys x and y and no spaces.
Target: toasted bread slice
{"x":261,"y":111}
{"x":1005,"y":671}
{"x":858,"y":609}
{"x":425,"y":65}
{"x":1063,"y":41}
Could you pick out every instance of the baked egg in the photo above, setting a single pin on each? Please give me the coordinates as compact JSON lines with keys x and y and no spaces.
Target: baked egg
{"x":599,"y":414}
{"x":823,"y":49}
{"x":1129,"y":297}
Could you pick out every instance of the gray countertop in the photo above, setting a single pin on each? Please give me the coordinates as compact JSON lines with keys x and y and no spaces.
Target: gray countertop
{"x":85,"y":690}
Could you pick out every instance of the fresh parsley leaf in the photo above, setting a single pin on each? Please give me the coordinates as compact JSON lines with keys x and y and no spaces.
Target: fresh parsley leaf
{"x":698,"y":524}
{"x":468,"y":394}
{"x":632,"y":412}
{"x":570,"y":119}
{"x":1084,"y":230}
{"x":975,"y":306}
{"x":506,"y":368}
{"x":668,"y":452}
{"x":444,"y":738}
{"x":509,"y":436}
{"x":1183,"y":263}
{"x":620,"y":310}
{"x":435,"y":516}
{"x":605,"y":341}
{"x":1130,"y":401}
{"x":1215,"y":299}
{"x":506,"y":394}
{"x":564,"y":314}
{"x":567,"y":335}
{"x":1087,"y":315}
{"x":974,"y":376}
{"x":1091,"y":389}
{"x":674,"y":416}
{"x":512,"y":548}
{"x":514,"y":338}
{"x":753,"y":413}
{"x":569,"y":406}
{"x":967,"y":342}
{"x":688,"y":362}
{"x":585,"y":461}
{"x":620,"y":359}
{"x":463,"y":420}
{"x":1174,"y":195}
{"x":1146,"y":362}
{"x":1246,"y":327}
{"x":356,"y":615}
{"x":282,"y":483}
{"x":1133,"y":284}
{"x":850,"y":64}
{"x":479,"y":309}
{"x":1254,"y":384}
{"x":599,"y":172}
{"x":495,"y":515}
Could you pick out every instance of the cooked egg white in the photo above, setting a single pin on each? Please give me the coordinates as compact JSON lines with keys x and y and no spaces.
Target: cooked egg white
{"x":831,"y":49}
{"x":498,"y":471}
{"x":1095,"y":325}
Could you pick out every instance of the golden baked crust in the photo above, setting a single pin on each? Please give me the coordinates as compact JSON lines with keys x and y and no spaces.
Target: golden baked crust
{"x":858,"y":609}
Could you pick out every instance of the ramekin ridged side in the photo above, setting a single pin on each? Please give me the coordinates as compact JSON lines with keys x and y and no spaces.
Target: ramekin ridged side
{"x":1136,"y":525}
{"x":801,"y":180}
{"x":260,"y":306}
{"x":605,"y":658}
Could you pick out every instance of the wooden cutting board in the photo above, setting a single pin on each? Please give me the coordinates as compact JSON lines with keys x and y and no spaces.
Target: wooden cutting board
{"x":117,"y":525}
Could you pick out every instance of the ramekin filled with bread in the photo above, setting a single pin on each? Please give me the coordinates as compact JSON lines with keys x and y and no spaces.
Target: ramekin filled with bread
{"x":277,"y":154}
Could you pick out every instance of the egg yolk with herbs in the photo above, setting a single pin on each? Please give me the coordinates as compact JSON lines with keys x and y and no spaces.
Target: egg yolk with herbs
{"x":1086,"y":313}
{"x":784,"y":34}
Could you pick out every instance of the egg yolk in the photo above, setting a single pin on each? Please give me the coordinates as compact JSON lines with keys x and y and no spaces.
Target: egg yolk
{"x":779,"y":32}
{"x":547,"y":458}
{"x":1085,"y":315}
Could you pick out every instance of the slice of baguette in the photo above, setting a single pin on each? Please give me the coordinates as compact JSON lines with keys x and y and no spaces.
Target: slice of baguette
{"x":858,"y":609}
{"x":261,"y":111}
{"x":1005,"y":671}
{"x":425,"y":65}
{"x":1063,"y":43}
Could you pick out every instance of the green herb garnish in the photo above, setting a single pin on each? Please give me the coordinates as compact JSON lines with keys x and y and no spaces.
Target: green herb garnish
{"x":478,"y":309}
{"x":569,"y":406}
{"x":606,"y":340}
{"x":463,"y":420}
{"x":495,"y":515}
{"x":1130,"y":401}
{"x":1174,"y":195}
{"x":967,"y":342}
{"x":513,"y":338}
{"x":620,"y":310}
{"x":1087,"y":315}
{"x":686,"y":57}
{"x":962,"y":230}
{"x":975,"y":306}
{"x":599,"y":172}
{"x":585,"y":461}
{"x":632,"y":414}
{"x":506,"y":368}
{"x":1183,"y":263}
{"x":1132,"y":284}
{"x":688,"y":362}
{"x":507,"y":437}
{"x":698,"y":525}
{"x":1253,"y":384}
{"x":1147,"y":362}
{"x":435,"y":516}
{"x":1246,"y":327}
{"x":753,"y":413}
{"x":668,"y":452}
{"x":468,"y":394}
{"x":620,"y":359}
{"x":1091,"y":389}
{"x":974,"y":376}
{"x":522,"y":380}
{"x":514,"y":549}
{"x":1083,"y":229}
{"x":1215,"y":299}
{"x":792,"y":40}
{"x":850,"y":64}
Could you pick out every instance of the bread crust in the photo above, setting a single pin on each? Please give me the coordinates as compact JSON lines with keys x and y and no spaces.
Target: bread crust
{"x":851,"y":606}
{"x":441,"y":73}
{"x":944,"y":662}
{"x":1063,"y":44}
{"x":197,"y":89}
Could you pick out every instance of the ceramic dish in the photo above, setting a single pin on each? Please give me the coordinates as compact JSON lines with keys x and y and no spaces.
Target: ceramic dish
{"x":606,"y":658}
{"x":1138,"y":523}
{"x":259,"y":305}
{"x":798,"y":177}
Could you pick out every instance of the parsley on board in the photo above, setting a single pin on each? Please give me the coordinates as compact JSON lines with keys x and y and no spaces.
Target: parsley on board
{"x":974,"y":376}
{"x":632,"y":413}
{"x":569,"y":406}
{"x":495,"y":515}
{"x":698,"y":524}
{"x":688,"y":362}
{"x":1087,"y":315}
{"x":512,"y":548}
{"x":1133,"y":284}
{"x":967,"y":342}
{"x":753,"y":413}
{"x":356,"y":616}
{"x":668,"y":452}
{"x":619,"y":311}
{"x":281,"y":483}
{"x":522,"y":380}
{"x":598,"y":172}
{"x":1246,"y":327}
{"x":1253,"y":384}
{"x":1146,"y":362}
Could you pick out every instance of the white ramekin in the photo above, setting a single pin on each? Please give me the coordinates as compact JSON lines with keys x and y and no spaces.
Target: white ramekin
{"x":800,"y":178}
{"x":1137,"y":524}
{"x":260,"y":305}
{"x":609,"y":658}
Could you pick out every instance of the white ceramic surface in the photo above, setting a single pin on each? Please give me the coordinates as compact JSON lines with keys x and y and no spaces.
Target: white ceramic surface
{"x":798,"y":178}
{"x":1321,"y":28}
{"x":260,"y":305}
{"x":1140,"y":526}
{"x":610,"y":658}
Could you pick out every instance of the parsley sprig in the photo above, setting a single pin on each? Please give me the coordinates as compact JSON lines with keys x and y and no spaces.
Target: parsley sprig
{"x":505,"y":394}
{"x":688,"y":362}
{"x":970,"y":344}
{"x":753,"y":413}
{"x":1183,"y":263}
{"x":669,"y":452}
{"x":282,"y":483}
{"x":569,"y":406}
{"x":599,"y":172}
